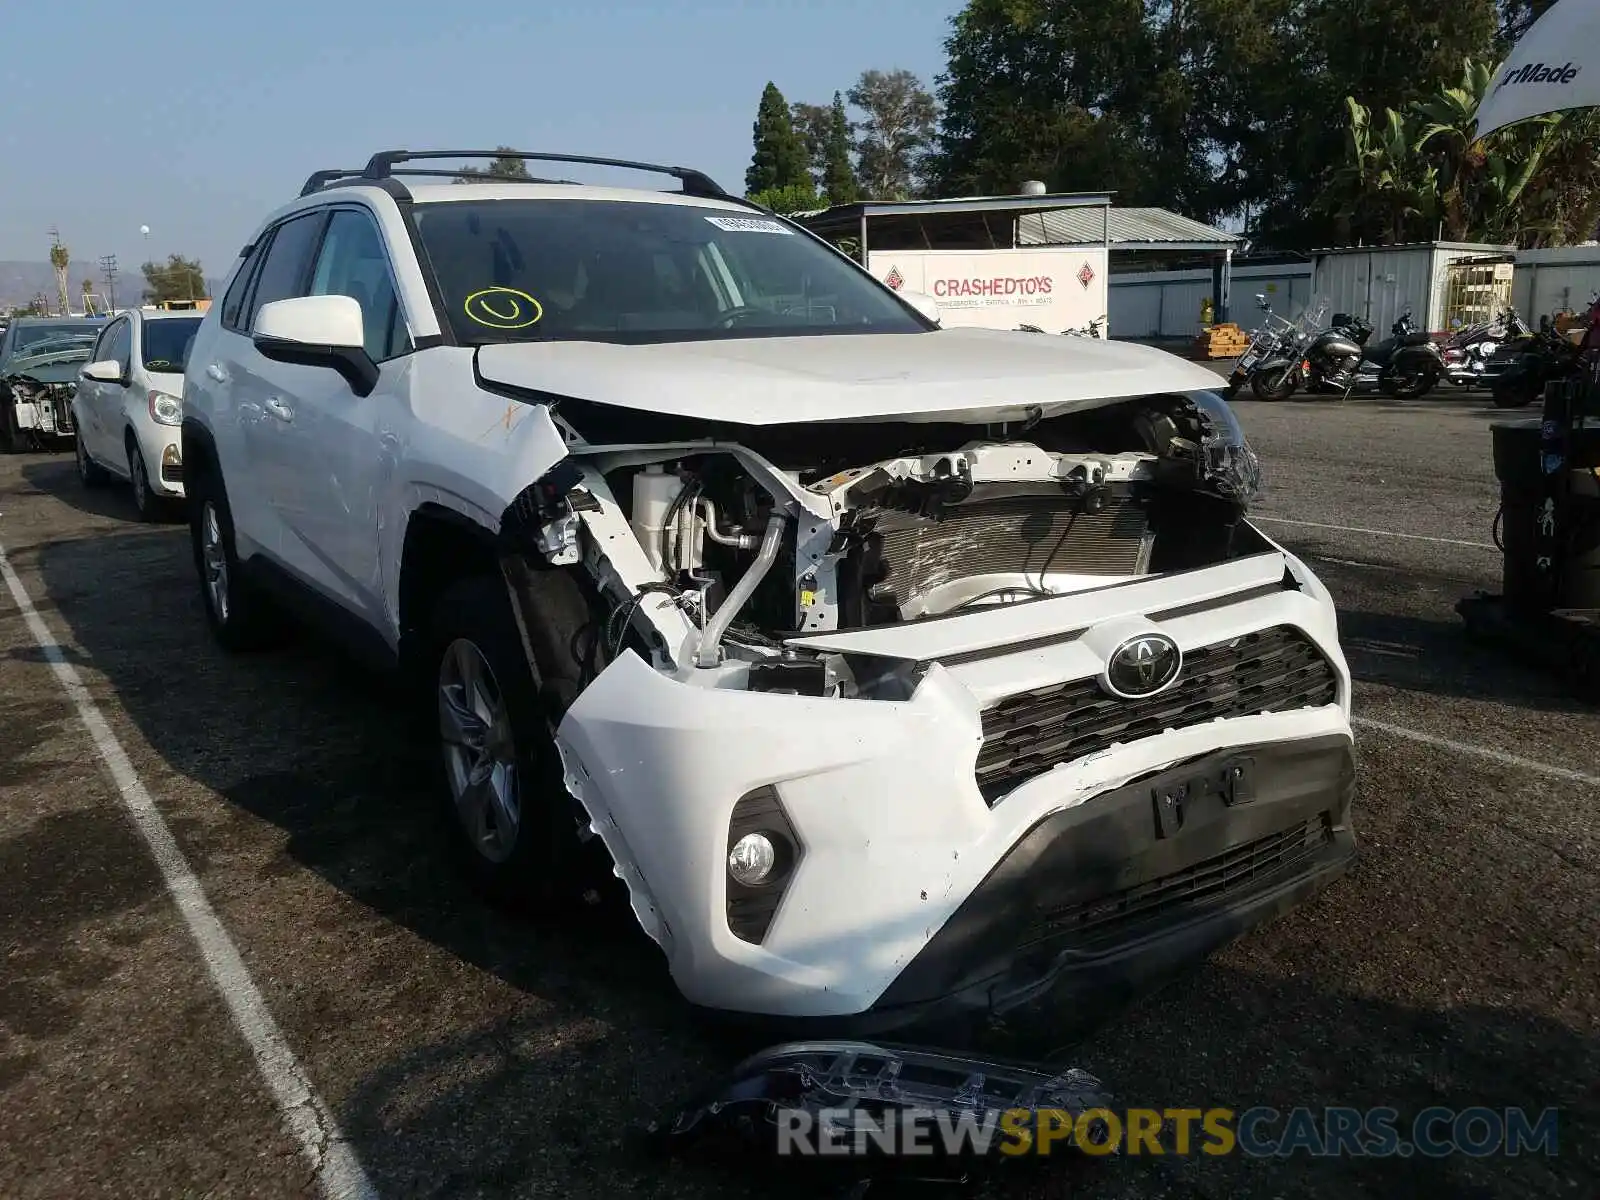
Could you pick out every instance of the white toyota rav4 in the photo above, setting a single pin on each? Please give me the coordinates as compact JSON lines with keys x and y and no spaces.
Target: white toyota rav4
{"x":900,"y":672}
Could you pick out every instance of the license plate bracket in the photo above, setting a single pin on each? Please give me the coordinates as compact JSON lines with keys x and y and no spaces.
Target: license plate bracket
{"x":1179,"y":798}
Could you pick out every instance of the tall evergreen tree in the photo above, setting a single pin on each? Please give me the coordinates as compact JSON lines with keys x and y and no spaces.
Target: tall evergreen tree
{"x":780,"y":159}
{"x":839,"y":182}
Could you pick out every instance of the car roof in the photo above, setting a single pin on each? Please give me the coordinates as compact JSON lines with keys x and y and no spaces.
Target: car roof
{"x":58,"y":320}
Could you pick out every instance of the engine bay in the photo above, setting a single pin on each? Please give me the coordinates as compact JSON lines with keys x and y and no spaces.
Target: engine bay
{"x":797,"y":530}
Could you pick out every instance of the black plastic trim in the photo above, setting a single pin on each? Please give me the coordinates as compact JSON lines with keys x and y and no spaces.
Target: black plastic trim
{"x":751,"y":909}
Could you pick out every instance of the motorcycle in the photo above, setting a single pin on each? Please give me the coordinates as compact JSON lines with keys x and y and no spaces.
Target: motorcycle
{"x":1273,"y":362}
{"x":1471,"y":355}
{"x":1092,"y":330}
{"x":1406,"y":365}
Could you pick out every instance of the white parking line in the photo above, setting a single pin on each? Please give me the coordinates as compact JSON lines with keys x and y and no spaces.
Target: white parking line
{"x":1468,"y":748}
{"x":338,"y":1171}
{"x":1410,"y":537}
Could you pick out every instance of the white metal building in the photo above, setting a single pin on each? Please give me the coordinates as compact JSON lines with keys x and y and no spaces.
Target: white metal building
{"x":1002,"y":261}
{"x":1445,"y":284}
{"x":1560,"y":279}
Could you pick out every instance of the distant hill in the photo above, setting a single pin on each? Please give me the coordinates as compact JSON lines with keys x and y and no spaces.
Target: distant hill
{"x":20,"y":282}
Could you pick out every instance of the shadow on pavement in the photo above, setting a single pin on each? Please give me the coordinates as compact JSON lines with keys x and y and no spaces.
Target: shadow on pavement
{"x":542,"y":1103}
{"x":58,"y":477}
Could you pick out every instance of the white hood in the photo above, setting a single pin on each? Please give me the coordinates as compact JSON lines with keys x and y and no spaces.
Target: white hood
{"x":950,"y":375}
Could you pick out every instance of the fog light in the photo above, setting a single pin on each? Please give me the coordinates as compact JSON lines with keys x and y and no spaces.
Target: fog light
{"x":752,"y":858}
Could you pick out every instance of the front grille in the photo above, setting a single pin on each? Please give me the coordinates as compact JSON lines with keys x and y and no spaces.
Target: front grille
{"x":1030,"y":535}
{"x":1271,"y":671}
{"x":1218,"y":881}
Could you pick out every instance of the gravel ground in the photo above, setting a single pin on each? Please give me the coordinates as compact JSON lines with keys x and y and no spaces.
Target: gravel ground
{"x":469,"y":1052}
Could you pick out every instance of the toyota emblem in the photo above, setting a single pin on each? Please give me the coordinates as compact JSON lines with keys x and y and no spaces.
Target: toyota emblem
{"x":1143,"y":666}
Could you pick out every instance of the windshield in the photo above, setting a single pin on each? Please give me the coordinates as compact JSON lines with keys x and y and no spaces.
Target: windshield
{"x":630,"y":271}
{"x":166,"y":343}
{"x":43,"y":339}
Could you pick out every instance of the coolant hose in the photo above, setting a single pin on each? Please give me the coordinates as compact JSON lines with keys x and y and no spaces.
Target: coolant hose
{"x":709,"y":653}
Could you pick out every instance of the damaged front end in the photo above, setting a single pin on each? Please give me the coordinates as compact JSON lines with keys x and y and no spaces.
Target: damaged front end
{"x":39,"y":390}
{"x":812,"y":683}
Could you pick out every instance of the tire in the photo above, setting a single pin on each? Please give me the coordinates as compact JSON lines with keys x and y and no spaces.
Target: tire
{"x":1519,"y":393}
{"x":1277,"y":385}
{"x":10,"y":432}
{"x":1414,"y":386}
{"x":242,"y":620}
{"x":514,"y":825}
{"x":146,"y":503}
{"x":90,"y":473}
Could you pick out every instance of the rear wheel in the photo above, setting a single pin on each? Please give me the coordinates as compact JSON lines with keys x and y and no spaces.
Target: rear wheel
{"x":1408,"y":385}
{"x":516,"y":824}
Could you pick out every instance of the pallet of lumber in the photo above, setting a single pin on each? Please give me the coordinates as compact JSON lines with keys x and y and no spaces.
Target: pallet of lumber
{"x":1221,"y":341}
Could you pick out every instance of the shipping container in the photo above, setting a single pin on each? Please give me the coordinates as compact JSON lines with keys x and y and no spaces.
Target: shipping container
{"x":1443,"y":284}
{"x":1559,"y":279}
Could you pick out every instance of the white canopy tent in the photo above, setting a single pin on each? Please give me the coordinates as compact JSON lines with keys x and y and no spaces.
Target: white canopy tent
{"x":1555,"y":66}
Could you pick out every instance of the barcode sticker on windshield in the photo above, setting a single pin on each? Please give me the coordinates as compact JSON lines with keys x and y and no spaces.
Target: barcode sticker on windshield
{"x":750,"y":225}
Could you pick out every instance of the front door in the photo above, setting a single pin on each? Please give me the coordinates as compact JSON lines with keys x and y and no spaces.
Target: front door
{"x":105,"y":400}
{"x":338,"y":438}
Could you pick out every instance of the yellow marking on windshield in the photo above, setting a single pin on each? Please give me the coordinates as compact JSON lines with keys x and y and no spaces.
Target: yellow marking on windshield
{"x":509,"y":309}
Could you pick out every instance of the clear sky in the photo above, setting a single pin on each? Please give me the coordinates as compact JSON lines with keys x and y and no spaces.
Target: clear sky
{"x":239,"y":102}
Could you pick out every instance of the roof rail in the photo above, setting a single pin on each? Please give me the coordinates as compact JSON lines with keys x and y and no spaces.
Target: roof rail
{"x":695,"y":183}
{"x":335,"y":176}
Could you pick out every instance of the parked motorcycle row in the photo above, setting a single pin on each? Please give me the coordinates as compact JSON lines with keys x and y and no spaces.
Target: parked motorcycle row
{"x":1335,"y":357}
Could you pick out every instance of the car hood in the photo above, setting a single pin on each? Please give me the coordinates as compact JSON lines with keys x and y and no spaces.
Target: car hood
{"x":60,"y":366}
{"x":944,"y":375}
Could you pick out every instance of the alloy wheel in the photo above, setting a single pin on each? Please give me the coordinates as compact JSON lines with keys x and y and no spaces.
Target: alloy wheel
{"x":214,"y":556}
{"x":480,"y":755}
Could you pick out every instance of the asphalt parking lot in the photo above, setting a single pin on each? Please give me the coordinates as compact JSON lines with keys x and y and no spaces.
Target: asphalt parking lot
{"x":468,"y":1052}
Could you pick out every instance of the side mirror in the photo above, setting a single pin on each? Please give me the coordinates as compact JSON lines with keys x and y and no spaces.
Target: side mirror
{"x":318,"y":331}
{"x":107,"y":370}
{"x":924,"y":304}
{"x":1261,"y":301}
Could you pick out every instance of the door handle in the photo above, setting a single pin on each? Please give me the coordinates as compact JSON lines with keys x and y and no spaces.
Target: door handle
{"x":279,"y":409}
{"x":217,"y":373}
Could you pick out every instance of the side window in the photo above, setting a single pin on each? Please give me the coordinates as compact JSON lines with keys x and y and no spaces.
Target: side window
{"x":233,"y":302}
{"x":118,"y":344}
{"x":283,"y":273}
{"x":353,"y":263}
{"x":101,"y":344}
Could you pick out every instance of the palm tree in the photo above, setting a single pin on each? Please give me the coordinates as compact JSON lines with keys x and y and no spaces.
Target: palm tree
{"x":60,"y":259}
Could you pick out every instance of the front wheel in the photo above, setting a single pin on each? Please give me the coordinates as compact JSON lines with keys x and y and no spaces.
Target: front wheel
{"x":238,"y":614}
{"x":90,"y":473}
{"x":516,"y":824}
{"x":1277,"y":384}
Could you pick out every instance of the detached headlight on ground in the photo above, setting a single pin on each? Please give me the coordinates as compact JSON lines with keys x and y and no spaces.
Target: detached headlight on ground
{"x":752,"y":858}
{"x":166,"y":409}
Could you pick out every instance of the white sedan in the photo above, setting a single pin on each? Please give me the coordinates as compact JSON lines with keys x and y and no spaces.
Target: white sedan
{"x":129,"y":406}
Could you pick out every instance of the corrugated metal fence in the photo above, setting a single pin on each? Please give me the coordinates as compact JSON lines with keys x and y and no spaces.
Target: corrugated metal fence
{"x":1166,"y":304}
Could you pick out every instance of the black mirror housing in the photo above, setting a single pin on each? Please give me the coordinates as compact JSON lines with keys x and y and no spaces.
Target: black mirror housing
{"x":352,"y":363}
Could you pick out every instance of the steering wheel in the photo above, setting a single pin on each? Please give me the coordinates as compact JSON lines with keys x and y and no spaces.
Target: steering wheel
{"x":739,"y":312}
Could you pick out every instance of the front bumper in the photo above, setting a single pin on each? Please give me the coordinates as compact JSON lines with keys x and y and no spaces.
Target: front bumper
{"x":898,"y":841}
{"x":163,"y":456}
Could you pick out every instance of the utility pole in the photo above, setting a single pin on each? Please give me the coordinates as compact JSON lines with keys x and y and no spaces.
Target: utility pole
{"x":108,"y":271}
